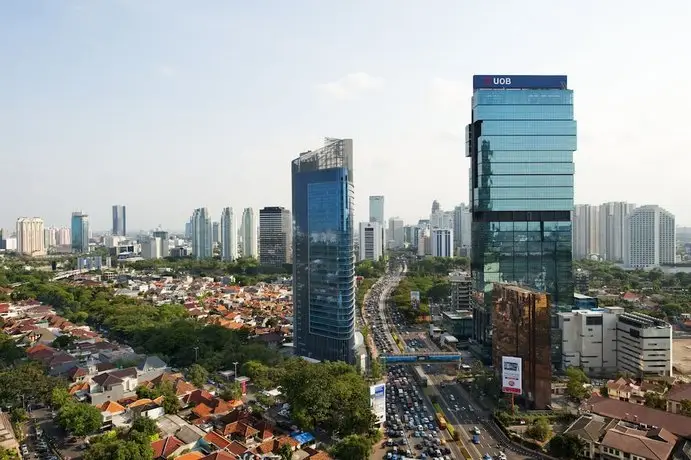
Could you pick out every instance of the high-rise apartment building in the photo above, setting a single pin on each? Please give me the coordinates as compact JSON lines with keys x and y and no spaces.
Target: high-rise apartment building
{"x":275,"y":236}
{"x":202,"y":246}
{"x":376,"y":214}
{"x":30,"y":238}
{"x":396,"y":232}
{"x":80,"y":232}
{"x":442,"y":242}
{"x":650,"y":237}
{"x":119,"y":220}
{"x":612,"y":238}
{"x":216,"y":232}
{"x":461,"y":287}
{"x":228,"y":236}
{"x":520,"y":141}
{"x":323,"y":259}
{"x":64,"y":237}
{"x":521,"y":328}
{"x":586,"y":231}
{"x":50,"y":237}
{"x":248,"y":230}
{"x":370,"y":241}
{"x":163,"y":243}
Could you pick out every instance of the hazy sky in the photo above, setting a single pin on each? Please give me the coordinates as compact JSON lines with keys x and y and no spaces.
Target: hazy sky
{"x":169,"y":105}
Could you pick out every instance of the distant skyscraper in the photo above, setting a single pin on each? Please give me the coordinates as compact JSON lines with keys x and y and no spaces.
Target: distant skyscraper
{"x":323,"y":262}
{"x":119,"y":220}
{"x":80,"y":232}
{"x":50,"y":237}
{"x":442,"y":242}
{"x":163,"y":243}
{"x":216,"y":232}
{"x":275,"y":236}
{"x":64,"y":237}
{"x":396,"y":236}
{"x":462,"y":223}
{"x":202,"y":247}
{"x":650,"y":236}
{"x":521,"y":141}
{"x":612,"y":234}
{"x":188,"y":229}
{"x":370,"y":241}
{"x":228,"y":237}
{"x":435,"y":206}
{"x":248,"y":227}
{"x":376,"y":214}
{"x":586,"y":231}
{"x":30,"y":238}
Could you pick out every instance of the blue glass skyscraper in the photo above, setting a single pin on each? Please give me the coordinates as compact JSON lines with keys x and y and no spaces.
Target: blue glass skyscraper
{"x":521,"y":141}
{"x":323,"y":257}
{"x":80,"y":232}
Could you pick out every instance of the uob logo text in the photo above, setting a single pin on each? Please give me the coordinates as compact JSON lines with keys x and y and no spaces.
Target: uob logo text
{"x":501,"y":81}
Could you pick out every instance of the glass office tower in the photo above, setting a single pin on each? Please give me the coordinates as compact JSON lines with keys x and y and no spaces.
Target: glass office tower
{"x":80,"y":232}
{"x":521,"y":142}
{"x":323,"y":256}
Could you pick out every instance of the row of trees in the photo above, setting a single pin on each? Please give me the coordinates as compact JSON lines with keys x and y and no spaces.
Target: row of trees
{"x":245,"y":266}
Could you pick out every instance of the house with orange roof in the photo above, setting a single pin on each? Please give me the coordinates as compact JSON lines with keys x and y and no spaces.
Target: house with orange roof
{"x":194,"y":455}
{"x":236,"y":448}
{"x":167,"y":447}
{"x":219,"y":455}
{"x":213,"y":440}
{"x":113,"y":414}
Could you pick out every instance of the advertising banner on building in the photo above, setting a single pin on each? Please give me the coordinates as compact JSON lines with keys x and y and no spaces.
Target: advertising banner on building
{"x":415,"y":299}
{"x":511,"y":375}
{"x":377,"y":396}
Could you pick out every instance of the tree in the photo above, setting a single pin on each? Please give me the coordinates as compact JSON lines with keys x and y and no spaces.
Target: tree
{"x":685,"y":408}
{"x":258,"y":374}
{"x":18,"y":415}
{"x":576,"y":385}
{"x":232,"y":392}
{"x":604,"y":391}
{"x":26,"y":382}
{"x":63,"y":342}
{"x":145,"y":426}
{"x":540,"y":430}
{"x":198,"y":375}
{"x":9,"y":352}
{"x":118,"y":445}
{"x":8,"y":454}
{"x":285,"y":452}
{"x":59,"y":397}
{"x":655,"y":401}
{"x":80,"y":419}
{"x":352,"y":447}
{"x":171,"y":403}
{"x":566,"y":446}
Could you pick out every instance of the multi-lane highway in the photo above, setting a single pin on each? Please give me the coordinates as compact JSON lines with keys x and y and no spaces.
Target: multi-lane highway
{"x":458,"y":406}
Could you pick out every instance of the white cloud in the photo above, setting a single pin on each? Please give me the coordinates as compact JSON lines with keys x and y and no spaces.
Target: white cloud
{"x":448,"y":93}
{"x":350,"y":86}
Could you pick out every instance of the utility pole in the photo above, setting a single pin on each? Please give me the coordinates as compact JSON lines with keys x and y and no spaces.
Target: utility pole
{"x":235,"y":375}
{"x":196,"y":354}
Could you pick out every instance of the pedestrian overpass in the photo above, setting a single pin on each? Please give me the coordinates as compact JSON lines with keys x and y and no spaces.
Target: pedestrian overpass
{"x":422,"y":357}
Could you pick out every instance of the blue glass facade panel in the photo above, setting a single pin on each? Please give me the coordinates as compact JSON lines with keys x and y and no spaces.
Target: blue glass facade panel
{"x":323,"y":264}
{"x":521,"y":144}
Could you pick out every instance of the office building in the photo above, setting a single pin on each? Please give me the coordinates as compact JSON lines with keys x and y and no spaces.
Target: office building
{"x":376,"y":214}
{"x":442,"y":242}
{"x":228,"y":236}
{"x":202,"y":246}
{"x":395,"y":232}
{"x":80,"y":232}
{"x":151,"y":248}
{"x":462,"y":223}
{"x":521,"y":328}
{"x":248,"y":230}
{"x":612,"y":239}
{"x":586,"y":231}
{"x":521,"y":141}
{"x":650,"y":237}
{"x":589,"y":340}
{"x":323,"y":258}
{"x":370,"y":241}
{"x":275,"y":236}
{"x":163,"y":243}
{"x":435,"y":207}
{"x":119,"y":220}
{"x":461,"y":287}
{"x":30,"y":238}
{"x":216,"y":232}
{"x":644,"y":346}
{"x":188,"y":229}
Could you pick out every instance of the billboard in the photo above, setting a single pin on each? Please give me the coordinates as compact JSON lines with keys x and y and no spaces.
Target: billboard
{"x":511,"y":375}
{"x":415,"y":299}
{"x":519,"y":81}
{"x":377,"y":399}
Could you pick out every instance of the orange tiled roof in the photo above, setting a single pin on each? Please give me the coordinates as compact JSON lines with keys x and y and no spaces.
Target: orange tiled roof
{"x":111,"y":407}
{"x":194,"y":455}
{"x":164,"y":448}
{"x":217,"y":440}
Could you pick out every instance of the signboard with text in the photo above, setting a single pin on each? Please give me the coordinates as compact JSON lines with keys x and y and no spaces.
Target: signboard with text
{"x":377,"y":395}
{"x":519,"y":82}
{"x":511,"y":375}
{"x":415,"y":299}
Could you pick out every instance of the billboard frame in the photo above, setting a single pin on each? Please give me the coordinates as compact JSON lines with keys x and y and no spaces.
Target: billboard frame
{"x":512,"y":375}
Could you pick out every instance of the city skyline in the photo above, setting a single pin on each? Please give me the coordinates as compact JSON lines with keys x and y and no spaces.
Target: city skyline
{"x":393,"y":107}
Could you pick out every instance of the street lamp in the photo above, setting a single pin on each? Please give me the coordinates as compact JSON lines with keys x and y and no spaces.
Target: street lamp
{"x":196,"y":354}
{"x":235,"y":375}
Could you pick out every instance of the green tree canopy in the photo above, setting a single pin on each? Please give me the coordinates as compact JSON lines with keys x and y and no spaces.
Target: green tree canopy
{"x":567,"y":447}
{"x":198,"y":375}
{"x":352,"y":447}
{"x":80,"y":419}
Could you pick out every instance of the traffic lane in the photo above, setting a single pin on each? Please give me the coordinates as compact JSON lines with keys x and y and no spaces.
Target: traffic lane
{"x":455,"y":450}
{"x":451,"y":417}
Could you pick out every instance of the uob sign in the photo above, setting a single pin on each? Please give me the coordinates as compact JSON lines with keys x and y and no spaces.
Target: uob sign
{"x":501,"y":81}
